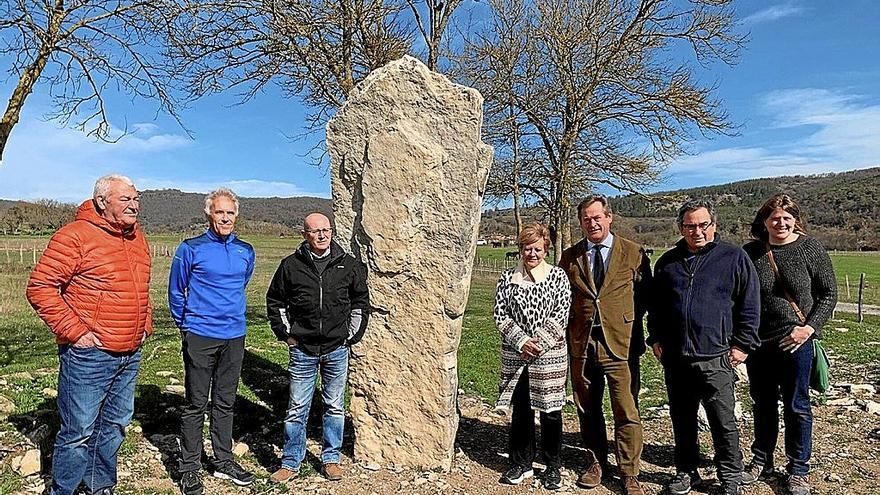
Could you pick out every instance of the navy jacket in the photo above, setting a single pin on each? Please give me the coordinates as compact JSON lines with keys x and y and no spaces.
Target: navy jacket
{"x":703,"y":307}
{"x":316,"y":308}
{"x":206,"y":286}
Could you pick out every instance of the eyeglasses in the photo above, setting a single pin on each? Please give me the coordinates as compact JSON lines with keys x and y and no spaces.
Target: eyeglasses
{"x":693,"y":227}
{"x":318,"y":231}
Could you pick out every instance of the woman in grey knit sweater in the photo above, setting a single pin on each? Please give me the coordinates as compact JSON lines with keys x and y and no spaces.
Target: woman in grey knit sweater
{"x":784,"y":360}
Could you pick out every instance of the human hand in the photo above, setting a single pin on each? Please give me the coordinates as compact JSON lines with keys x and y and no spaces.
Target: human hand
{"x":736,"y":356}
{"x":292,"y":342}
{"x":88,"y":340}
{"x":796,"y":338}
{"x":658,"y":351}
{"x":531,"y":349}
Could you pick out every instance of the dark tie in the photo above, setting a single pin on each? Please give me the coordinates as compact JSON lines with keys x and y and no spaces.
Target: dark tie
{"x":598,"y":266}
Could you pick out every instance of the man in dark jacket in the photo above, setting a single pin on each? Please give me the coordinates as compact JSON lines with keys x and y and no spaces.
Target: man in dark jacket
{"x":702,"y":323}
{"x":317,"y":304}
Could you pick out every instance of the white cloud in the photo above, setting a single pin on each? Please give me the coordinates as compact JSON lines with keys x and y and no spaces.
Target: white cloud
{"x":833,"y":131}
{"x":773,"y":13}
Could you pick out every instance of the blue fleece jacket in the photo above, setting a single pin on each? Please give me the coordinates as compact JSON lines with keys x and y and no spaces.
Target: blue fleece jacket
{"x":206,"y":289}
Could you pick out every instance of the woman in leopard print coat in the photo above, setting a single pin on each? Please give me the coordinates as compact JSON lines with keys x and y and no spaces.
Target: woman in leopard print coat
{"x":531,"y":312}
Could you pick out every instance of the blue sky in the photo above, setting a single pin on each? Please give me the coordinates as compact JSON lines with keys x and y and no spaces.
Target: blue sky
{"x":805,"y":94}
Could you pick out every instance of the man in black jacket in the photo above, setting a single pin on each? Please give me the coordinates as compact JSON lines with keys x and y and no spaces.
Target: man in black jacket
{"x":318,"y":305}
{"x":702,"y":323}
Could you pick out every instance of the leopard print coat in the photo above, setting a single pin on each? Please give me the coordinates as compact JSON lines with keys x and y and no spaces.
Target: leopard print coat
{"x":525,"y":311}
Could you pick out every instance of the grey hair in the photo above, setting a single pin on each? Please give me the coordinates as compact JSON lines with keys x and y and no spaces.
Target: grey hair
{"x":102,"y":185}
{"x":216,"y":193}
{"x":695,"y":204}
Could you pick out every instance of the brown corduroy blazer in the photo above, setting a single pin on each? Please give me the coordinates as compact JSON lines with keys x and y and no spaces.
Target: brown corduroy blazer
{"x":620,"y":303}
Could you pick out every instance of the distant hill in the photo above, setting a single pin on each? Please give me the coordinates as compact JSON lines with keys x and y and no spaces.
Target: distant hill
{"x":842,"y":210}
{"x":173,"y":211}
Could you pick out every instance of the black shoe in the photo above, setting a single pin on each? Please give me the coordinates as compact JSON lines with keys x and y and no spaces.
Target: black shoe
{"x":191,"y":483}
{"x":515,"y":474}
{"x":682,"y":482}
{"x":230,"y":470}
{"x":754,"y":472}
{"x":552,"y":478}
{"x":731,"y":489}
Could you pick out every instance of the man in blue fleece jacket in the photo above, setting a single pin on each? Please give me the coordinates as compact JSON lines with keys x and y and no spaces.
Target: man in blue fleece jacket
{"x":206,"y":296}
{"x":703,"y":322}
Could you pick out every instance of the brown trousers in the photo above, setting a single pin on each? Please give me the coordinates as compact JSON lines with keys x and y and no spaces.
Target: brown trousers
{"x":588,"y":377}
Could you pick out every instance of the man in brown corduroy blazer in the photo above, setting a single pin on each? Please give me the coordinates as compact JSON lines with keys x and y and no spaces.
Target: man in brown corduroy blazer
{"x":609,"y":278}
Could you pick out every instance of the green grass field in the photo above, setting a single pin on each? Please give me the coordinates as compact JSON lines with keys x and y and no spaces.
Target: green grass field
{"x":27,"y":346}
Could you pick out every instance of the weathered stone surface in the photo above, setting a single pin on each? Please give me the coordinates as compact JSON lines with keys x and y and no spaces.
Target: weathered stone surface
{"x":408,"y":175}
{"x":28,"y":463}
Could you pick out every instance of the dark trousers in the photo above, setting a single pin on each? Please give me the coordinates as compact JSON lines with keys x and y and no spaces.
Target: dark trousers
{"x":772,"y":370}
{"x":710,"y":381}
{"x":209,"y":365}
{"x":521,"y":441}
{"x":588,"y":384}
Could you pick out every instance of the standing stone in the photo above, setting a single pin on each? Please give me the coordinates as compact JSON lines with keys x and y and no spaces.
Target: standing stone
{"x":408,"y":175}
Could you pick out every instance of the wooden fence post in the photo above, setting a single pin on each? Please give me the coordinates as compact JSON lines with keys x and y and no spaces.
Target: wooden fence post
{"x":848,"y":295}
{"x":861,"y":292}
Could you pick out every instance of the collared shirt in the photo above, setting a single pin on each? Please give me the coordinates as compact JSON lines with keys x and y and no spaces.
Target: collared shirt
{"x":608,"y":243}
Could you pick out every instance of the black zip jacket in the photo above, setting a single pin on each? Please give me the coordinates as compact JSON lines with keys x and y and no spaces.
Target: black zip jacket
{"x":703,"y":308}
{"x":316,"y":308}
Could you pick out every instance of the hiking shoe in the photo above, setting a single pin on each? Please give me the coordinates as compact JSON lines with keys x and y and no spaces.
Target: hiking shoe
{"x":798,"y":484}
{"x":681,"y":483}
{"x":754,"y":472}
{"x":731,"y":489}
{"x":516,"y":474}
{"x":191,"y":483}
{"x":592,"y":477}
{"x":283,"y":475}
{"x":232,"y":471}
{"x":552,"y":479}
{"x":631,"y":486}
{"x":332,"y":471}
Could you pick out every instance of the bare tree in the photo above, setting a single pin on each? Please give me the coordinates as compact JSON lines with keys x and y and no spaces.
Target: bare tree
{"x":432,"y":19}
{"x":313,"y":49}
{"x":82,"y":49}
{"x":604,"y":95}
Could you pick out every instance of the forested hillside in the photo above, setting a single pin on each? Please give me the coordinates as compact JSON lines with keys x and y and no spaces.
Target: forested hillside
{"x":842,"y":210}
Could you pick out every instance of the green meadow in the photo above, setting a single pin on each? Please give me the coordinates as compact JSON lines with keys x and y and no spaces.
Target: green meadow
{"x":28,"y":358}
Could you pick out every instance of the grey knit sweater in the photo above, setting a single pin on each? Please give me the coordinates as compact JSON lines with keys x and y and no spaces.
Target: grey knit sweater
{"x":806,"y":270}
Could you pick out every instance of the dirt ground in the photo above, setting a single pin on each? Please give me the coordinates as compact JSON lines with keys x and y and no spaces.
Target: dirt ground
{"x":845,"y":454}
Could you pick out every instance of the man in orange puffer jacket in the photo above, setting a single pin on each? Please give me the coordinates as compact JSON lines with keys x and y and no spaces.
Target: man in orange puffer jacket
{"x":92,"y":288}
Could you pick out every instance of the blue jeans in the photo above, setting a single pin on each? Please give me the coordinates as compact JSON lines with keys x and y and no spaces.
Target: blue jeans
{"x":772,"y":370}
{"x":303,"y":369}
{"x":95,"y":402}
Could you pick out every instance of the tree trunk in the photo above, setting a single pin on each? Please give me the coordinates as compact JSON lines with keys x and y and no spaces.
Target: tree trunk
{"x":517,"y":213}
{"x":24,"y":88}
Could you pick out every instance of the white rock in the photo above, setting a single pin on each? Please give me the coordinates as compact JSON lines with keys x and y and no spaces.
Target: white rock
{"x":408,"y":170}
{"x":6,"y":405}
{"x":28,"y":463}
{"x":173,"y":381}
{"x":843,"y":401}
{"x":872,"y":407}
{"x":371,"y":466}
{"x":240,"y":449}
{"x":50,"y":392}
{"x":175,"y":389}
{"x":833,"y":478}
{"x":862,"y":388}
{"x":164,"y":374}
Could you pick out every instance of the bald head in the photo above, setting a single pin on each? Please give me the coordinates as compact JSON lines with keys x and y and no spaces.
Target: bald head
{"x":317,"y":232}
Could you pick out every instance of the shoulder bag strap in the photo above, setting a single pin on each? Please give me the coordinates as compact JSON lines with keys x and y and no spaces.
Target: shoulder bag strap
{"x":794,"y":306}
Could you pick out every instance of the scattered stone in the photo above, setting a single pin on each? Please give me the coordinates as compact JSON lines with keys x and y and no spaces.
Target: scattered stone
{"x":240,"y":449}
{"x":27,"y":464}
{"x":742,"y":373}
{"x":408,"y":172}
{"x":833,"y":478}
{"x":164,"y":374}
{"x":862,"y":388}
{"x":371,"y":466}
{"x":175,"y":389}
{"x":50,"y":392}
{"x":173,"y":381}
{"x":6,"y":405}
{"x":843,"y":401}
{"x":872,"y":407}
{"x":23,"y":376}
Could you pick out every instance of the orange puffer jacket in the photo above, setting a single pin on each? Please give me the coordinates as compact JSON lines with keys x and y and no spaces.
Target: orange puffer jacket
{"x":94,"y":277}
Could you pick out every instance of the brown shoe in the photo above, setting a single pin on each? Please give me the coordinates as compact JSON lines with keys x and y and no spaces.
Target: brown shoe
{"x":332,"y":471}
{"x":284,"y":475}
{"x":592,"y":477}
{"x":631,"y":486}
